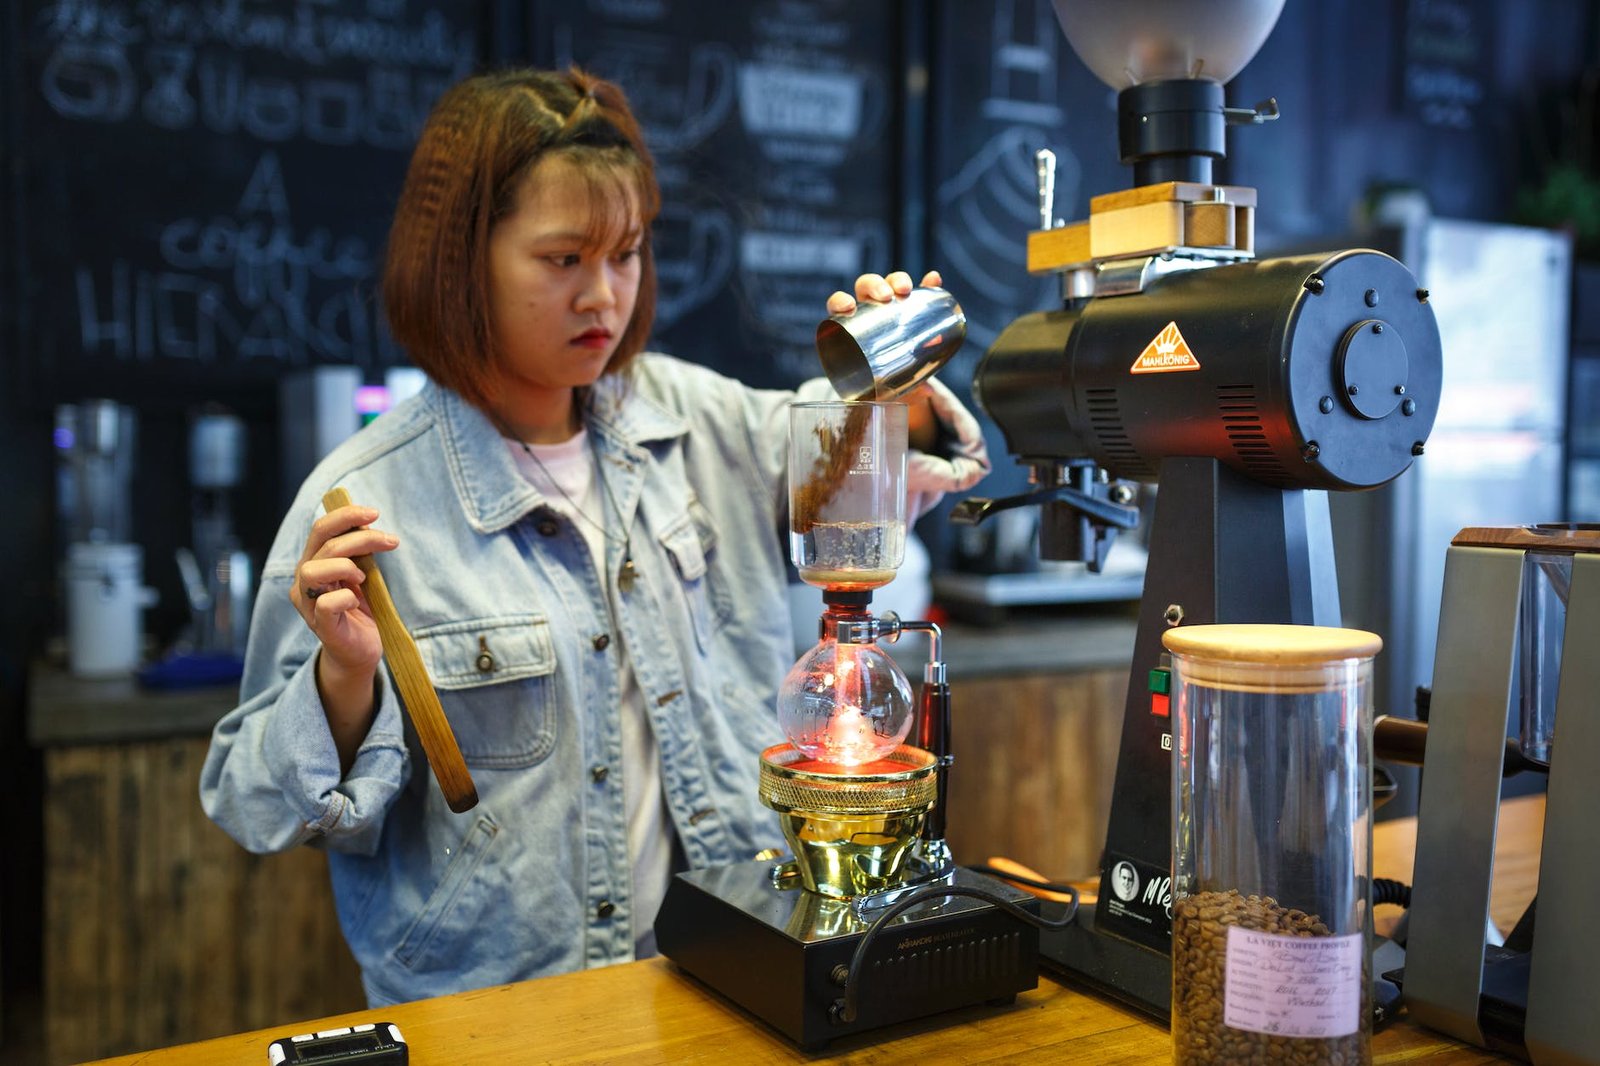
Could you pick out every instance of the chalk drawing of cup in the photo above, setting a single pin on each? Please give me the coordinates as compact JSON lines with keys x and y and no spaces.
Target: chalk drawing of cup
{"x":985,"y":211}
{"x":680,"y":102}
{"x":809,"y":116}
{"x":694,"y":249}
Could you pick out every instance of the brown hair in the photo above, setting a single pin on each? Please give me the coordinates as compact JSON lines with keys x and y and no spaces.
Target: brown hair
{"x":482,"y":140}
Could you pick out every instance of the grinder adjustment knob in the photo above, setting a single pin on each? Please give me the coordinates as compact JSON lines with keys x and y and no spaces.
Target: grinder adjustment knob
{"x":1372,"y":366}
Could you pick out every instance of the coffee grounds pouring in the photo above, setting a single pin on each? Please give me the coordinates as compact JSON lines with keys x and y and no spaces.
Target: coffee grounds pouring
{"x":836,"y":455}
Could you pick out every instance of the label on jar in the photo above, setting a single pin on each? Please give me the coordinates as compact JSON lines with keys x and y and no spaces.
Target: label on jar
{"x":1293,"y":986}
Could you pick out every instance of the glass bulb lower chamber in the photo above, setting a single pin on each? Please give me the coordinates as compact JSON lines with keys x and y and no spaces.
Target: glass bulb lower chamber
{"x":846,"y":704}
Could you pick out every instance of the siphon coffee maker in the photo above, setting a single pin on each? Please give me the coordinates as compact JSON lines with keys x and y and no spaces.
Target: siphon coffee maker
{"x":867,"y":921}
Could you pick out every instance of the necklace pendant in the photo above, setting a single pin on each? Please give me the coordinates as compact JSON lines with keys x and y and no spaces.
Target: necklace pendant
{"x":628,"y":576}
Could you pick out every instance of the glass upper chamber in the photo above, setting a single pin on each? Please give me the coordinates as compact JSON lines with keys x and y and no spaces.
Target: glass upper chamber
{"x":847,"y":492}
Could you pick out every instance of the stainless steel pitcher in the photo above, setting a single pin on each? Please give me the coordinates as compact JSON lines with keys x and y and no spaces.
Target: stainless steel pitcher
{"x":883,"y":350}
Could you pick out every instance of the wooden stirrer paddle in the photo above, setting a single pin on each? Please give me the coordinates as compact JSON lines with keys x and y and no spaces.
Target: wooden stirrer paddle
{"x":411,"y":678}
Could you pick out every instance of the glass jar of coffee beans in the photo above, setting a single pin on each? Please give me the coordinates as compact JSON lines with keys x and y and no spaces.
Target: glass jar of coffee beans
{"x":1272,"y":844}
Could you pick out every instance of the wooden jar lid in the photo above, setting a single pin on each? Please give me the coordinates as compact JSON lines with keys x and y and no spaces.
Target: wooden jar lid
{"x":1268,"y":658}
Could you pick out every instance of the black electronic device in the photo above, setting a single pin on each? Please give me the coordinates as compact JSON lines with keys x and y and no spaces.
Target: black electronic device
{"x":1244,"y":388}
{"x":783,"y":953}
{"x":367,"y":1044}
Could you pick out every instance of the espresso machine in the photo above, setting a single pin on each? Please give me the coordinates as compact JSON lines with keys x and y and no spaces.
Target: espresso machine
{"x":1247,"y":389}
{"x":868,"y":921}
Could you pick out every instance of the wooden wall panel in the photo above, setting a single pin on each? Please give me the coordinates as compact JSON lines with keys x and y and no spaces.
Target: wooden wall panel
{"x":159,"y":929}
{"x":1035,"y":759}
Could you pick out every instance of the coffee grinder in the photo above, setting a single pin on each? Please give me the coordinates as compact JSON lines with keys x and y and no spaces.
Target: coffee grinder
{"x":1246,"y":388}
{"x":868,"y":921}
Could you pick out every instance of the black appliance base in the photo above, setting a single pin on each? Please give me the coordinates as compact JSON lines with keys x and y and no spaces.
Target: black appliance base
{"x":781,"y":954}
{"x":1118,"y":969}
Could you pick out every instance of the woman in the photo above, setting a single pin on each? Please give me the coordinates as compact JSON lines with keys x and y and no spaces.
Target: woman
{"x":592,"y":568}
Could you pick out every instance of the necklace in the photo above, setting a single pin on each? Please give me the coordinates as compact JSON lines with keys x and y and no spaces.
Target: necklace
{"x":628,"y":574}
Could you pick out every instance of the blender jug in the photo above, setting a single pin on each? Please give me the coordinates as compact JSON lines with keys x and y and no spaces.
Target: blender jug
{"x":95,"y":447}
{"x":103,"y":572}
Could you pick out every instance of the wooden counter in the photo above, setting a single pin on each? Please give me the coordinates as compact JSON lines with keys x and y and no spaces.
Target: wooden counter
{"x":649,"y":1012}
{"x":159,"y":930}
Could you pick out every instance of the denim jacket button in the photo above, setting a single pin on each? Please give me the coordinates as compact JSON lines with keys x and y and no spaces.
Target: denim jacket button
{"x":602,"y":642}
{"x":547,"y":527}
{"x":599,"y":773}
{"x":605,"y":909}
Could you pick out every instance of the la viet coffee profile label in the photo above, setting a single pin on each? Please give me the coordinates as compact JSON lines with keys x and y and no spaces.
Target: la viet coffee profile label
{"x":1293,"y":986}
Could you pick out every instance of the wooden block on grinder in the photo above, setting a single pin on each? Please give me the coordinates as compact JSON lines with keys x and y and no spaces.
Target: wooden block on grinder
{"x":1052,"y":249}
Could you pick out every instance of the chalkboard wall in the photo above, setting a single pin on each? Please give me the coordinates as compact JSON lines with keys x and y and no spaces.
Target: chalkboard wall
{"x":202,"y":192}
{"x":209,"y":188}
{"x":197,"y":192}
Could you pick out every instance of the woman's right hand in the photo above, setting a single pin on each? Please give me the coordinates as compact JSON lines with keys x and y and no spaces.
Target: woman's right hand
{"x":327,"y":589}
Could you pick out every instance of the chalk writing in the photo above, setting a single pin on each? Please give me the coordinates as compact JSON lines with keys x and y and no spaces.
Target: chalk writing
{"x":778,"y":100}
{"x":236,"y":287}
{"x":1442,"y":80}
{"x":178,"y":66}
{"x":232,"y":165}
{"x":99,"y":83}
{"x":309,"y":33}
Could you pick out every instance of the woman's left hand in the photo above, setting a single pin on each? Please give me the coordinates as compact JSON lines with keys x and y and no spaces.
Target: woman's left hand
{"x":878,"y":289}
{"x":922,"y":427}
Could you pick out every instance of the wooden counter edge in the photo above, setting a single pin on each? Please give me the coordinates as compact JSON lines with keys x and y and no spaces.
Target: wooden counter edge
{"x":672,"y":1018}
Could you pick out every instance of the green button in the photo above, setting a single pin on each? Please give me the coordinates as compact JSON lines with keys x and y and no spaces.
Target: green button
{"x":1161,"y":681}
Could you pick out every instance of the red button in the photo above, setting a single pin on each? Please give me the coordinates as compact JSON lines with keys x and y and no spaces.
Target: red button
{"x":1159,"y":704}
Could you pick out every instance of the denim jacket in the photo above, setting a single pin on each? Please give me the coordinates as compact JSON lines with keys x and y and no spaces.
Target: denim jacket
{"x":535,"y":879}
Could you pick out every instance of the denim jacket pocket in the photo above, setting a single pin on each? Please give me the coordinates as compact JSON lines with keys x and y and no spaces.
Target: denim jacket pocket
{"x":450,"y":911}
{"x":496,"y":681}
{"x":691,"y":542}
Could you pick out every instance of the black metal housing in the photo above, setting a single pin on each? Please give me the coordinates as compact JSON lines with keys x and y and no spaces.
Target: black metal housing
{"x":781,"y":954}
{"x":1171,"y":130}
{"x":1319,"y":371}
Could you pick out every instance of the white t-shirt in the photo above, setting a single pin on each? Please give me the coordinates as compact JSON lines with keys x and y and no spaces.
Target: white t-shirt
{"x":572,"y":470}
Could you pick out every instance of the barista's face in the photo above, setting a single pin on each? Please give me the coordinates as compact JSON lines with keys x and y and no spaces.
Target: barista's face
{"x":1124,"y":882}
{"x":564,"y":276}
